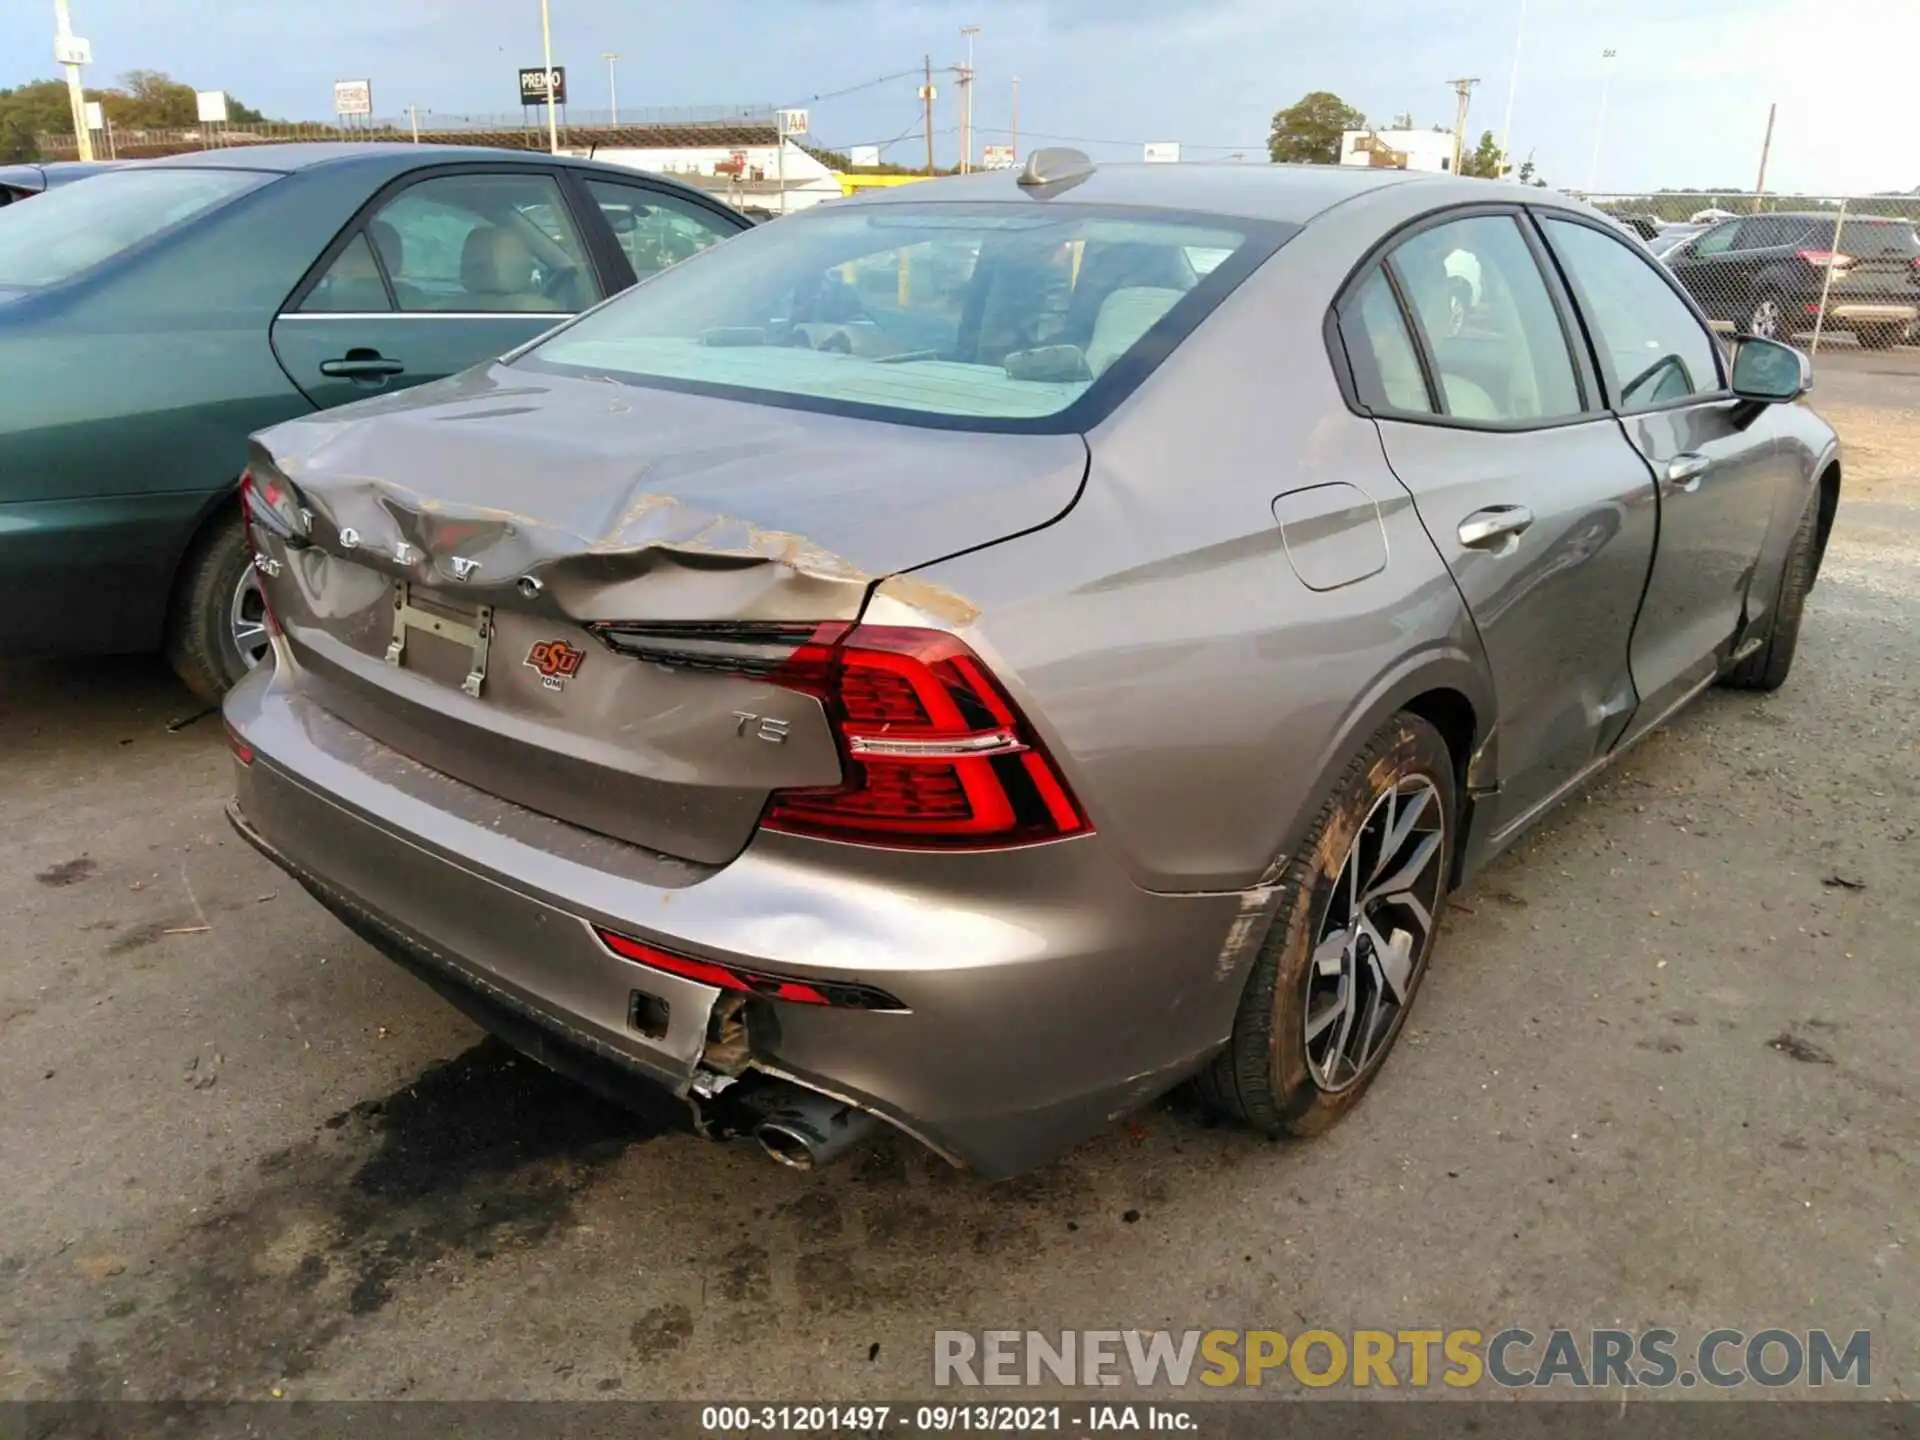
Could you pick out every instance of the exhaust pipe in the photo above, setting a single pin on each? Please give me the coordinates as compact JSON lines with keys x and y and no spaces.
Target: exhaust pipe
{"x":808,"y":1129}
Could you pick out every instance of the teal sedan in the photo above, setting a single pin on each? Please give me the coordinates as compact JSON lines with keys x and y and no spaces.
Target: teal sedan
{"x":154,"y":315}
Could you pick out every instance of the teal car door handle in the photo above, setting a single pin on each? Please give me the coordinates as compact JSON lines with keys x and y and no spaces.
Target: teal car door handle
{"x":362,"y":365}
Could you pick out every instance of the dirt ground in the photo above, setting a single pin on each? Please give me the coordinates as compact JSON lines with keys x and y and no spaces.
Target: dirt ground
{"x":1664,"y":1073}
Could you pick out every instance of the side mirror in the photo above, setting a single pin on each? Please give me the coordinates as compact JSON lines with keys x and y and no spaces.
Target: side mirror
{"x":1769,"y":372}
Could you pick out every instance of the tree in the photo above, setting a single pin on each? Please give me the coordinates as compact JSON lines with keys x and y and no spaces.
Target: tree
{"x":1308,"y":132}
{"x":1487,"y":162}
{"x":145,"y":99}
{"x":1526,"y":174}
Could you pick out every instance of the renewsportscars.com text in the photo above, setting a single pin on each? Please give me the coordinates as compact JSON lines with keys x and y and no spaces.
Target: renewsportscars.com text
{"x":1513,"y":1358}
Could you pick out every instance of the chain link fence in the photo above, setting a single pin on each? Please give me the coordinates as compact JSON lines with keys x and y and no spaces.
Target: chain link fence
{"x":1811,"y":270}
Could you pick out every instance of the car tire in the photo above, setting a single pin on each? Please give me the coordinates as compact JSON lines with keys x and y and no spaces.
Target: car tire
{"x":201,"y":642}
{"x":1880,"y":337}
{"x":1766,"y":669}
{"x":1276,"y":1074}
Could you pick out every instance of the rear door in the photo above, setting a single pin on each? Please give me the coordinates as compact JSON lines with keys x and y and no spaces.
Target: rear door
{"x":1490,"y":416}
{"x":452,"y":268}
{"x":1714,"y":459}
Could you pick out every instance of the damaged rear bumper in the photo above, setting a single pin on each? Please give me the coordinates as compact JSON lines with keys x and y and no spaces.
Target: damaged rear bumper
{"x":1045,"y":994}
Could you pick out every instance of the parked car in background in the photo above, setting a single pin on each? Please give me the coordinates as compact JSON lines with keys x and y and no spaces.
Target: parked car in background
{"x":24,"y":181}
{"x":1645,"y":226}
{"x":154,"y":316}
{"x":1099,"y":681}
{"x":1768,"y":274}
{"x":1672,"y":238}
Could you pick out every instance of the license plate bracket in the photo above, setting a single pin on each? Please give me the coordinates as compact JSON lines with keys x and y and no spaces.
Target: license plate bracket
{"x":472,"y":629}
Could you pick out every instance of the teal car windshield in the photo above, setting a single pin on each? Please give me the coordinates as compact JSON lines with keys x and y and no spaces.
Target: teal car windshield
{"x":75,"y":227}
{"x":967,"y":315}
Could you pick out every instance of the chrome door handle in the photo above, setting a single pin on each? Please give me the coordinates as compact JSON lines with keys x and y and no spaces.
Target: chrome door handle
{"x":1495,"y":528}
{"x":1684,"y":471}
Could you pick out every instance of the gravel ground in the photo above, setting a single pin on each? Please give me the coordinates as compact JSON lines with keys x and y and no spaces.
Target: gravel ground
{"x":1663,"y":1074}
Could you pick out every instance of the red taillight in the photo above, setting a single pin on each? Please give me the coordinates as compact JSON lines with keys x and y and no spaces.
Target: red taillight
{"x":936,"y":755}
{"x":748,"y":982}
{"x":1834,"y":258}
{"x":242,"y":751}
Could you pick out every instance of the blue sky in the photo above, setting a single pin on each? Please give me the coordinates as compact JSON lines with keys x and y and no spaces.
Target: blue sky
{"x":1687,"y":104}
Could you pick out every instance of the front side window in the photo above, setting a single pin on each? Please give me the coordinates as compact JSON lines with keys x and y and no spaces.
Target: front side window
{"x":986,"y":315}
{"x":1489,"y":322}
{"x":1718,"y":240}
{"x":499,"y":242}
{"x":1653,"y":351}
{"x":74,"y":227}
{"x":655,"y":230}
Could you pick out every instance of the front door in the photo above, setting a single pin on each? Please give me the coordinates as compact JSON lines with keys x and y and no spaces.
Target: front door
{"x":1543,"y":514}
{"x":1713,"y":458}
{"x":449,"y":272}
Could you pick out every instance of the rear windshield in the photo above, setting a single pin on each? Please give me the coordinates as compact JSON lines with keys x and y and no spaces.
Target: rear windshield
{"x":1021,"y":316}
{"x":1874,"y":238}
{"x":76,"y":226}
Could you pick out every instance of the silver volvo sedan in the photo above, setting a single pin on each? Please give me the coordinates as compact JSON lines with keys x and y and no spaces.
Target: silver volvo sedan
{"x":974,"y":657}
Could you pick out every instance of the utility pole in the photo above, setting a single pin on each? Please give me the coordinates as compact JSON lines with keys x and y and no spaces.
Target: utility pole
{"x":926,"y":102}
{"x":546,"y":46}
{"x":1766,"y":148}
{"x":413,"y":117}
{"x":72,"y":52}
{"x":1016,"y":119}
{"x":1607,"y":58}
{"x":1463,"y":93}
{"x":612,"y":57}
{"x":966,"y":103}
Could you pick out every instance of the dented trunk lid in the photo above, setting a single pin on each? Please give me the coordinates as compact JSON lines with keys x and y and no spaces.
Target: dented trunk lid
{"x":463,"y":536}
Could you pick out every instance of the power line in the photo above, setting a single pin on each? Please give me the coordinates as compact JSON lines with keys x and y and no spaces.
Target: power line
{"x":1108,"y":140}
{"x":853,"y":89}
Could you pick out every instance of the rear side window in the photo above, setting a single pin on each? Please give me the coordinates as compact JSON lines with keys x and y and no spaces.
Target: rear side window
{"x":352,"y":283}
{"x":1491,"y":330}
{"x":1653,"y":351}
{"x":1765,"y":231}
{"x":75,"y":227}
{"x":1386,"y":367}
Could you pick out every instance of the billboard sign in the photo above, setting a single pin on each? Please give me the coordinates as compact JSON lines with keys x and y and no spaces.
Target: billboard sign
{"x":538,"y":83}
{"x":1162,"y":152}
{"x":210,"y":106}
{"x":353,"y":97}
{"x":864,"y":156}
{"x":794,"y":122}
{"x":996,"y":157}
{"x":96,"y":116}
{"x":72,"y":50}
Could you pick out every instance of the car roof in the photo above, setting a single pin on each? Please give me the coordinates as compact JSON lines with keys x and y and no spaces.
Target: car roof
{"x":1292,"y":194}
{"x":305,"y":156}
{"x":389,"y":158}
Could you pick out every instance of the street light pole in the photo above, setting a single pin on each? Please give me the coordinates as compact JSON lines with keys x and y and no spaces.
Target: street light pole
{"x":546,"y":46}
{"x":1513,"y":85}
{"x":966,"y":122}
{"x":1600,"y":124}
{"x":613,"y":91}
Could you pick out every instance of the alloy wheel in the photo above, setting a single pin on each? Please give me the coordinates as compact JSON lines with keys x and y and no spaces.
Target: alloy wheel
{"x":1767,"y":321}
{"x":1375,"y":933}
{"x":247,"y":620}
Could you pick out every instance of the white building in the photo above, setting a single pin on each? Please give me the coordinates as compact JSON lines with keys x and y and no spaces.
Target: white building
{"x":1428,"y":150}
{"x":747,"y":174}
